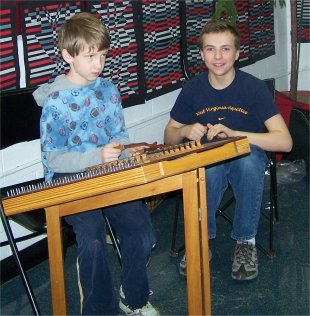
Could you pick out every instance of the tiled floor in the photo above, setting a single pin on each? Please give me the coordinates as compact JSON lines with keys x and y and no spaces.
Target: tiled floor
{"x":282,"y":287}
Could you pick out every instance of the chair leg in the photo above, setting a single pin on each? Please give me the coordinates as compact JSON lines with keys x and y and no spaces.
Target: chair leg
{"x":21,"y":270}
{"x":115,"y":242}
{"x":221,"y":210}
{"x":273,"y":216}
{"x":270,"y":253}
{"x":274,"y":189}
{"x":174,"y":252}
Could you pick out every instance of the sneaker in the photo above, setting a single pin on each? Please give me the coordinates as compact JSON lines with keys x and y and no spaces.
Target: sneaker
{"x":245,"y":264}
{"x":182,"y":264}
{"x":146,"y":310}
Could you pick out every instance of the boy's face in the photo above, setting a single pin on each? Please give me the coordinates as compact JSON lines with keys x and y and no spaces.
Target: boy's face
{"x":86,"y":66}
{"x":219,"y":53}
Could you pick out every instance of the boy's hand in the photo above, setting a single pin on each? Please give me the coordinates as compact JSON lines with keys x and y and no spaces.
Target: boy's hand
{"x":110,"y":153}
{"x":219,"y":130}
{"x":134,"y":151}
{"x":194,"y":131}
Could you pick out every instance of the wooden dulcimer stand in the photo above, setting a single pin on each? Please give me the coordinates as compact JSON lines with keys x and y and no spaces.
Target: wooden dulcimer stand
{"x":159,"y":171}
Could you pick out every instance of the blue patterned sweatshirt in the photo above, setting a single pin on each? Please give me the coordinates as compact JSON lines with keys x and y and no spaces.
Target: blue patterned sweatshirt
{"x":76,"y":122}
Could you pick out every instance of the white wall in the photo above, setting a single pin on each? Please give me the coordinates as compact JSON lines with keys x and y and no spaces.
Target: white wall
{"x":146,"y":122}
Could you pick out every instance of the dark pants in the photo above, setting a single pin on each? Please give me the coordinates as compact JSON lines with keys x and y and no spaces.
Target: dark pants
{"x":133,"y":227}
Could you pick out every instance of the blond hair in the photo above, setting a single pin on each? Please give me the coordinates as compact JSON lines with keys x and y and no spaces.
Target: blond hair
{"x":220,"y":26}
{"x":83,"y":30}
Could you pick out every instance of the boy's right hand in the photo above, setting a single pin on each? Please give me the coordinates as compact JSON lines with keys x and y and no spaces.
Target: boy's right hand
{"x":110,"y":153}
{"x":195,"y":131}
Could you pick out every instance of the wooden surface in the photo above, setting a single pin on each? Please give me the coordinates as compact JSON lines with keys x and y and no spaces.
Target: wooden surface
{"x":185,"y":173}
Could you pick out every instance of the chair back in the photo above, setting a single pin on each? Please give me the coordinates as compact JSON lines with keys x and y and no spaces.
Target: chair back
{"x":20,"y":117}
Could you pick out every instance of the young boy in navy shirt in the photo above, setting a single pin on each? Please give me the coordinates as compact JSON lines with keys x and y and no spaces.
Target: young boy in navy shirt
{"x":227,"y":102}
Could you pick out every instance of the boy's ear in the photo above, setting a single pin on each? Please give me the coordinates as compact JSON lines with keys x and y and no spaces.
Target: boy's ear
{"x":66,"y":56}
{"x":237,"y":54}
{"x":201,"y":55}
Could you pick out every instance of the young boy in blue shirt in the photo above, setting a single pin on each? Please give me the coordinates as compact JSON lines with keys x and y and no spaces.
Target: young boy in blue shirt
{"x":82,"y":124}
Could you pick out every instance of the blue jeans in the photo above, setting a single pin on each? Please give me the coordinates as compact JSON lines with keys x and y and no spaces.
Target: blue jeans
{"x":133,"y":227}
{"x":246,"y":177}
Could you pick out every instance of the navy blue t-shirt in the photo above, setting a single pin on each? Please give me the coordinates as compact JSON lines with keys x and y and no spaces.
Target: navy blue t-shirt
{"x":244,"y":105}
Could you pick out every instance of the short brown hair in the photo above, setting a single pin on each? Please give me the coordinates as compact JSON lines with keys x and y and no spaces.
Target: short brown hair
{"x":219,"y":26}
{"x":83,"y":29}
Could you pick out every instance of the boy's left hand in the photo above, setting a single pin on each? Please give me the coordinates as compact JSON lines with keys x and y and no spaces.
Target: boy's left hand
{"x":110,"y":152}
{"x":219,"y":130}
{"x":134,"y":151}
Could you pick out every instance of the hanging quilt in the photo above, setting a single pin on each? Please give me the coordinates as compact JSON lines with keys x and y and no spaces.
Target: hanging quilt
{"x":261,"y":30}
{"x":40,"y":23}
{"x":151,"y":41}
{"x":162,"y":58}
{"x":9,"y":68}
{"x":255,"y":24}
{"x":303,"y":21}
{"x":124,"y":65}
{"x":243,"y":24}
{"x":194,"y":15}
{"x":254,"y":20}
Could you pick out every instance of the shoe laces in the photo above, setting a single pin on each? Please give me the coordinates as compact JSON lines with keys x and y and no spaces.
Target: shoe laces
{"x":140,"y":311}
{"x":243,"y":254}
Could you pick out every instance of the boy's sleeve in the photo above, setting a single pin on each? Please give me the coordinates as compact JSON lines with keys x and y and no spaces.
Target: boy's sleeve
{"x":116,"y":125}
{"x":181,"y":111}
{"x":63,"y":162}
{"x":53,"y":127}
{"x":266,"y":107}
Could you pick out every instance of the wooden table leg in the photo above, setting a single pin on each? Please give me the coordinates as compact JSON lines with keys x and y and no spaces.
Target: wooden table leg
{"x":204,"y":240}
{"x":196,"y":243}
{"x":56,"y":260}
